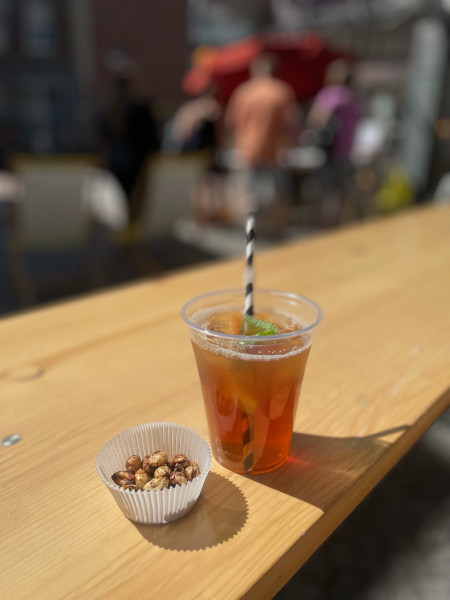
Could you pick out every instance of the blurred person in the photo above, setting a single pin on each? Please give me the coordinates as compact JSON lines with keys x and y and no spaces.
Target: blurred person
{"x":335,"y":112}
{"x":263,"y":117}
{"x":128,"y":134}
{"x":333,"y":118}
{"x":196,"y":127}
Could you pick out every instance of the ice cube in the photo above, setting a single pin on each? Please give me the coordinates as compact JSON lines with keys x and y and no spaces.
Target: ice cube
{"x":225,"y":322}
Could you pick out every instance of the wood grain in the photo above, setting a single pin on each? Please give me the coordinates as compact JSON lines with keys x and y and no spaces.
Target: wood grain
{"x":75,"y":374}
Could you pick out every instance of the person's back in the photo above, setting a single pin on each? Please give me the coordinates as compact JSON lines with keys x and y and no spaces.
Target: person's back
{"x":335,"y":112}
{"x":263,"y":117}
{"x":341,"y":105}
{"x":262,"y":114}
{"x":333,"y":118}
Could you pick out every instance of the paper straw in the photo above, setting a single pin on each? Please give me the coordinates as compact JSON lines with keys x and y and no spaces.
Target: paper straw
{"x":247,"y":442}
{"x":250,"y":231}
{"x":247,"y":425}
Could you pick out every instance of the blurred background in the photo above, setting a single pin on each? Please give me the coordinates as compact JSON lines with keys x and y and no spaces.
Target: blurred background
{"x":120,"y":158}
{"x":116,"y":159}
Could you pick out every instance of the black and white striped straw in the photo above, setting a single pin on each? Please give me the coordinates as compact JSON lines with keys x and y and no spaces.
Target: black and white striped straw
{"x":247,"y":420}
{"x":250,"y":231}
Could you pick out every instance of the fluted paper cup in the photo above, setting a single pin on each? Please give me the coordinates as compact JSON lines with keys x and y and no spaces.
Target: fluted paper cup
{"x":155,"y":506}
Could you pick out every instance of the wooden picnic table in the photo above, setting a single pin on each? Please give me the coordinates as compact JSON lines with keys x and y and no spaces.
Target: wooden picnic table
{"x":72,"y":375}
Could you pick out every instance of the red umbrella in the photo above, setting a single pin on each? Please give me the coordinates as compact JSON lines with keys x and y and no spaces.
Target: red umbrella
{"x":225,"y":67}
{"x":302,"y":62}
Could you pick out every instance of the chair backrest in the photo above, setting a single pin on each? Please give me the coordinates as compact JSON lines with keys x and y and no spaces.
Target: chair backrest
{"x":167,"y":192}
{"x":50,"y":212}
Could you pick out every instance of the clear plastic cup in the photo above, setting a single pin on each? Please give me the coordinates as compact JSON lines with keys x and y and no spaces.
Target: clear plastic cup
{"x":251,"y":383}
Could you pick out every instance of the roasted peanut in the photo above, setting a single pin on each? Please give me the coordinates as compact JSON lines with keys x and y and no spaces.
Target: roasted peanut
{"x":191,"y":471}
{"x":134,"y":463}
{"x":123,"y":477}
{"x":141,"y":478}
{"x":179,"y":459}
{"x":163,"y":471}
{"x":158,"y":483}
{"x":176,"y":478}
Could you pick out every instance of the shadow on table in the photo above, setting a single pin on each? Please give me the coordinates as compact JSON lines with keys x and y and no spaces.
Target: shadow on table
{"x":320,"y":468}
{"x":219,"y":514}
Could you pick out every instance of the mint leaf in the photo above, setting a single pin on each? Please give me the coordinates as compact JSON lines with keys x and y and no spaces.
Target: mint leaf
{"x":252,"y":326}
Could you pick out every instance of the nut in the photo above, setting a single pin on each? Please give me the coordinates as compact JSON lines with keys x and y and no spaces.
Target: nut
{"x":192,"y":471}
{"x":158,"y":483}
{"x":130,"y":486}
{"x":178,"y":468}
{"x":155,"y":471}
{"x":157,"y":459}
{"x":141,"y":478}
{"x":123,"y":477}
{"x":133,"y":463}
{"x":179,"y":459}
{"x":163,"y":471}
{"x":176,"y":478}
{"x":147,"y":466}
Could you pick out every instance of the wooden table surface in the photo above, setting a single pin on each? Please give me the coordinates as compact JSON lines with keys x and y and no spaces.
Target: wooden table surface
{"x":75,"y":374}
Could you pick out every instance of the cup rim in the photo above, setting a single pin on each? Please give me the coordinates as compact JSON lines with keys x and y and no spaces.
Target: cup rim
{"x":239,"y":337}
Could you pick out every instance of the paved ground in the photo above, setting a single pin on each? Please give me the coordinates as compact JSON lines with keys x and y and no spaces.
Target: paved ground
{"x":396,"y":544}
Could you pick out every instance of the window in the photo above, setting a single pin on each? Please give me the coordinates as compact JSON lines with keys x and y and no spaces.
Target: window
{"x":38,"y":28}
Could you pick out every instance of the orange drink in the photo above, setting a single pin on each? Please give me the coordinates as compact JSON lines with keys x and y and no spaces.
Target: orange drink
{"x":251,"y":371}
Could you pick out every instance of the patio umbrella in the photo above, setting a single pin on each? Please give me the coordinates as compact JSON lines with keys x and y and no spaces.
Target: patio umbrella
{"x":302,"y":62}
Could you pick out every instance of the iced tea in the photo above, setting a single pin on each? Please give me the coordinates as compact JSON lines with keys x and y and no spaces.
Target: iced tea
{"x":252,"y":386}
{"x":251,"y":371}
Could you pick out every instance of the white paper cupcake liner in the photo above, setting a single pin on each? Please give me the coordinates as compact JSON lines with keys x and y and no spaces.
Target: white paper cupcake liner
{"x":155,"y":506}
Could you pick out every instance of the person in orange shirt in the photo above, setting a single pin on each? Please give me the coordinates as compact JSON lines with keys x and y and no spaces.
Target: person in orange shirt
{"x":263,"y":117}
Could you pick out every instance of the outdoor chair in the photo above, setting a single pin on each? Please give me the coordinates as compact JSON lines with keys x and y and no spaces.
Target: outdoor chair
{"x":57,"y":216}
{"x":163,"y":194}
